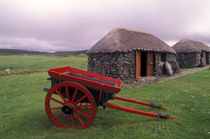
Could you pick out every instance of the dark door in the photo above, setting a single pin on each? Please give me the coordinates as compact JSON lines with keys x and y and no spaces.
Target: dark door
{"x":143,"y":63}
{"x":149,"y":64}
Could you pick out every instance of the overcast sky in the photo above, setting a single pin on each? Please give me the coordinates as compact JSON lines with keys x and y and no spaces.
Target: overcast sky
{"x":60,"y":25}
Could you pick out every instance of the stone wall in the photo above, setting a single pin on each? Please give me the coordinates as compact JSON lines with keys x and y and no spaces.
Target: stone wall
{"x":159,"y":67}
{"x":171,"y":58}
{"x":208,"y":58}
{"x":189,"y":60}
{"x":203,"y":59}
{"x":158,"y":64}
{"x":123,"y":65}
{"x":117,"y":65}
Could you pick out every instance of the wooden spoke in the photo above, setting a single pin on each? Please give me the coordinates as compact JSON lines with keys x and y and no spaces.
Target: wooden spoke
{"x":84,"y":107}
{"x":55,"y":108}
{"x":67,"y":94}
{"x":72,"y":121}
{"x":65,"y":119}
{"x":60,"y":96}
{"x":58,"y":115}
{"x":85,"y":114}
{"x":80,"y":99}
{"x":57,"y":101}
{"x":80,"y":120}
{"x":74,"y":95}
{"x":82,"y":110}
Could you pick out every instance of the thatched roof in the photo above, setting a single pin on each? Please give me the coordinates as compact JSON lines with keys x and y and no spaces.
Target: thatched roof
{"x":187,"y":45}
{"x":124,"y":40}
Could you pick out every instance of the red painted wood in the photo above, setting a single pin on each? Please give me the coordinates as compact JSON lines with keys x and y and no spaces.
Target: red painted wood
{"x":149,"y":64}
{"x":121,"y":108}
{"x":99,"y":99}
{"x":58,"y":74}
{"x":138,"y":64}
{"x":56,"y":116}
{"x":132,"y":101}
{"x":130,"y":110}
{"x":137,"y":102}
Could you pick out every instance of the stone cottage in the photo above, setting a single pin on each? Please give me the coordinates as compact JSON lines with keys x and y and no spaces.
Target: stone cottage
{"x":127,"y":54}
{"x":192,"y":53}
{"x":208,"y":57}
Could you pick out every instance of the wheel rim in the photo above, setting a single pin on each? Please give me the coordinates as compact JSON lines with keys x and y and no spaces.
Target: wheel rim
{"x":70,"y":105}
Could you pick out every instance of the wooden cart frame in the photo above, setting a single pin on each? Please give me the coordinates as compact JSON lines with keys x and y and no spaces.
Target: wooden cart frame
{"x":75,"y":94}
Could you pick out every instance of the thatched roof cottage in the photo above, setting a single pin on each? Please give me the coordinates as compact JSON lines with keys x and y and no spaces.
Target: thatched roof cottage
{"x":127,"y":54}
{"x":192,"y":53}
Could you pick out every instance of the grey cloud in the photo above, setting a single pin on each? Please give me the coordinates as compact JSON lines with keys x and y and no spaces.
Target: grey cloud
{"x":39,"y":45}
{"x":77,"y":28}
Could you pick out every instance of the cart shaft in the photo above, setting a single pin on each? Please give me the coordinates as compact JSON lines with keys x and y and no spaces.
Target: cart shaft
{"x":130,"y":110}
{"x":141,"y":103}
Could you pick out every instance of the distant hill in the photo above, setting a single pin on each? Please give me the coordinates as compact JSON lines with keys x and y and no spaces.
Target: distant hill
{"x":25,"y":52}
{"x":19,"y":52}
{"x":70,"y":53}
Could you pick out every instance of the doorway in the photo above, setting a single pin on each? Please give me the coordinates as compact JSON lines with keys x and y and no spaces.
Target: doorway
{"x":144,"y":64}
{"x":207,"y":58}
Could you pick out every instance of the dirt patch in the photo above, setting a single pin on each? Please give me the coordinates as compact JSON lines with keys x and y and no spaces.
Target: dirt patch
{"x":153,"y":79}
{"x":20,"y":71}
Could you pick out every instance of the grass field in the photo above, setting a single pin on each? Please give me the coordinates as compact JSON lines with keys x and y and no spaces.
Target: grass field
{"x":22,"y":113}
{"x":186,"y":69}
{"x":29,"y":64}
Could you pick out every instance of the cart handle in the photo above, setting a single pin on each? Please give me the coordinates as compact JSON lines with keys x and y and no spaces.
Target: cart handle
{"x":130,"y":110}
{"x":141,"y":103}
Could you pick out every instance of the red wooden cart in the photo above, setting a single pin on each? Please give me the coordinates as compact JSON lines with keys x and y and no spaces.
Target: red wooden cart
{"x":75,"y":94}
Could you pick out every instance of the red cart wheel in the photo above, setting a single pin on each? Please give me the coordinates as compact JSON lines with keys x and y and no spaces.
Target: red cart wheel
{"x":70,"y":105}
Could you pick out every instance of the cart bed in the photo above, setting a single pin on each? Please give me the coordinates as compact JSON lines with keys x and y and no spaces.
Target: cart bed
{"x":86,"y":78}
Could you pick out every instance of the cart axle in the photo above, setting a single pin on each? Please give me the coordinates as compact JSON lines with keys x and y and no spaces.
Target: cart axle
{"x":67,"y":109}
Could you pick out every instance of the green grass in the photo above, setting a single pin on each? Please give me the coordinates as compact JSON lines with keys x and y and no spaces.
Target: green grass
{"x":186,"y":69}
{"x":22,"y":113}
{"x":28,"y":64}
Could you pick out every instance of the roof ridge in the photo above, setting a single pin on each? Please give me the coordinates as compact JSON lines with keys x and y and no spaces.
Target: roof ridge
{"x":132,"y":30}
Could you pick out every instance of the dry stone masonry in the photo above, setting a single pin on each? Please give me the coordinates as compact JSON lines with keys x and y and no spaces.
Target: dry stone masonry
{"x":192,"y":53}
{"x":128,"y":54}
{"x":116,"y":65}
{"x":123,"y":65}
